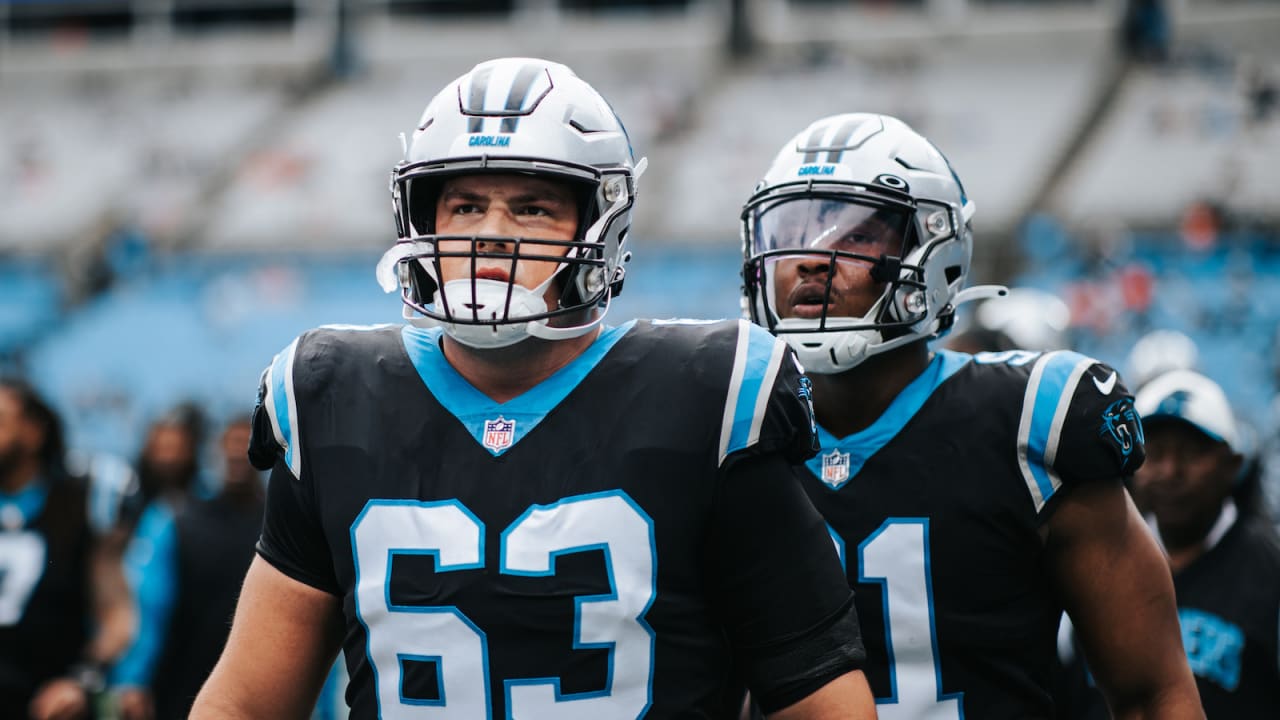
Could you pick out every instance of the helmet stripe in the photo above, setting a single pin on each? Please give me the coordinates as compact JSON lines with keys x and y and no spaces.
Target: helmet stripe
{"x":475,"y":101}
{"x":515,"y":98}
{"x":814,"y":138}
{"x":841,"y":139}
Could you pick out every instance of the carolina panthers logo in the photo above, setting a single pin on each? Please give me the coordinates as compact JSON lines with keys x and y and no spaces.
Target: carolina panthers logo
{"x":1174,"y":404}
{"x":806,"y":394}
{"x":1123,"y":426}
{"x":1214,"y":646}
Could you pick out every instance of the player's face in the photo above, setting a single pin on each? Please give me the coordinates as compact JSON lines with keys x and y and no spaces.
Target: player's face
{"x":504,"y":206}
{"x":238,"y":472}
{"x":169,"y":456}
{"x":800,"y":281}
{"x":15,"y":431}
{"x":1185,"y":478}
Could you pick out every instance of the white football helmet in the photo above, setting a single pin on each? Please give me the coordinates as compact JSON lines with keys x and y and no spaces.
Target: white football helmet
{"x":1159,"y":352}
{"x":514,"y":116}
{"x":839,"y":174}
{"x":1033,"y":319}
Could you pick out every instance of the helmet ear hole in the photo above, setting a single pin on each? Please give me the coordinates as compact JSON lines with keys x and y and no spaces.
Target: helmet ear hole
{"x":953,"y":273}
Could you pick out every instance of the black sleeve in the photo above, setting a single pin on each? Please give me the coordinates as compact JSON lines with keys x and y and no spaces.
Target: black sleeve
{"x":791,"y":418}
{"x":292,"y":539}
{"x":263,"y":449}
{"x":787,"y":608}
{"x":787,"y":423}
{"x":1101,"y":434}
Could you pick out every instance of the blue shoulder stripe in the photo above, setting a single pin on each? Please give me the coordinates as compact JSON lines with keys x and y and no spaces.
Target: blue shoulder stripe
{"x":756,"y":362}
{"x":1044,"y":409}
{"x":282,"y":407}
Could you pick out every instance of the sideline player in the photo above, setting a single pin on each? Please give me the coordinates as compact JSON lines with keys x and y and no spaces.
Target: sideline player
{"x":65,"y":609}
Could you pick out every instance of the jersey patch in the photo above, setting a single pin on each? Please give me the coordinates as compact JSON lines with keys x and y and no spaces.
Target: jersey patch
{"x":1122,"y":428}
{"x":499,"y":426}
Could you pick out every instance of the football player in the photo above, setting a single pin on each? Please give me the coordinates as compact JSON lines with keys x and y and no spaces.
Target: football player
{"x":65,"y":609}
{"x":972,"y":498}
{"x":505,"y":508}
{"x":196,"y":558}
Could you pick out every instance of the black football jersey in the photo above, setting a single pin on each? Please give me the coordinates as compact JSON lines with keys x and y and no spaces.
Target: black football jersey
{"x":593,"y":548}
{"x":1229,"y":609}
{"x":936,"y":509}
{"x":45,"y":539}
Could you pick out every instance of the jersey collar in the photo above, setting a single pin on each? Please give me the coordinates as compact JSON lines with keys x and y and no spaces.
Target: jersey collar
{"x":18,"y":510}
{"x":842,"y":458}
{"x":499,"y":426}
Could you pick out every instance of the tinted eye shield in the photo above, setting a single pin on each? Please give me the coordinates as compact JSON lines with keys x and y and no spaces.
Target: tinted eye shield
{"x":824,"y":227}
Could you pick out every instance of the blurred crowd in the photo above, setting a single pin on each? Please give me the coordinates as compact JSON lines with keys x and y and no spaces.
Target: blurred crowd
{"x":118,"y":579}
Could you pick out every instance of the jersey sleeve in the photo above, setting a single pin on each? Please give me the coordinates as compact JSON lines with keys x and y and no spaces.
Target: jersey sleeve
{"x":275,"y":433}
{"x":769,"y":406}
{"x":1077,"y":425}
{"x":292,"y":538}
{"x":782,"y":594}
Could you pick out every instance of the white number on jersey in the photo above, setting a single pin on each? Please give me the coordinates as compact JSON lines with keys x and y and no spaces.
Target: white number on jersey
{"x":896,"y":557}
{"x":444,"y":635}
{"x":22,"y":556}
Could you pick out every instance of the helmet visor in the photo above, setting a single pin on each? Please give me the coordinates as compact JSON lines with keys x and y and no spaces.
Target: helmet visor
{"x":837,"y":224}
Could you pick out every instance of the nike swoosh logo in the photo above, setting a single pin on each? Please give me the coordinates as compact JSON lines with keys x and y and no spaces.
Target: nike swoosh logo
{"x":1106,"y":386}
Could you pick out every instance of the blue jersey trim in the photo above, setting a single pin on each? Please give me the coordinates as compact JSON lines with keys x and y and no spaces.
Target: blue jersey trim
{"x":283,"y":407}
{"x":150,"y":564}
{"x":474,"y":409}
{"x":28,"y":501}
{"x":865,"y":443}
{"x":1054,"y":388}
{"x":758,"y":361}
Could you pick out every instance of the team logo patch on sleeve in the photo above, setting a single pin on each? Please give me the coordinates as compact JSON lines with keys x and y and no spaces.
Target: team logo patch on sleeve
{"x":806,"y":396}
{"x":1121,"y":425}
{"x":835,"y":469}
{"x":499,"y":434}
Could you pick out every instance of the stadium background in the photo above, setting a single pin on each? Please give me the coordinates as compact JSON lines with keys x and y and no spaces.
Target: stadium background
{"x":187,"y":184}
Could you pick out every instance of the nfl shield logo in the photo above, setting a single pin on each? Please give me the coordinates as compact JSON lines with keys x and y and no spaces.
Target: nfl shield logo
{"x":835,"y":468}
{"x":499,"y":434}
